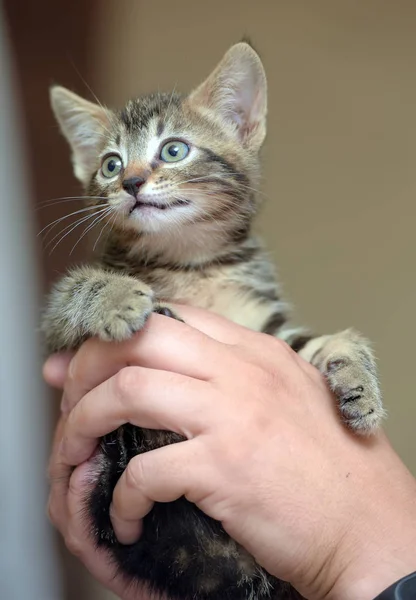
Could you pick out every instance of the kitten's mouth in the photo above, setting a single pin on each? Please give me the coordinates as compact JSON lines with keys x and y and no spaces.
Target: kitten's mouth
{"x":141,"y":204}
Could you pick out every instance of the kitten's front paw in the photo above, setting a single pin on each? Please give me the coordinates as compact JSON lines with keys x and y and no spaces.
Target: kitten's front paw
{"x":353,"y":379}
{"x":125,"y":308}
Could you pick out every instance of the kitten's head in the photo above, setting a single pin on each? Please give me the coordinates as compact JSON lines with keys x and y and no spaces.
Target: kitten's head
{"x":167,"y":163}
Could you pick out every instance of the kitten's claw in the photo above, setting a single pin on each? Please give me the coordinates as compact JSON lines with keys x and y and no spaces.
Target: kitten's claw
{"x":166,"y":312}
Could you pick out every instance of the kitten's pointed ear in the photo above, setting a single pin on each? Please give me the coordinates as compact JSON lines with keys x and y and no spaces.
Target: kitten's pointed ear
{"x":85,"y":125}
{"x":237,"y":92}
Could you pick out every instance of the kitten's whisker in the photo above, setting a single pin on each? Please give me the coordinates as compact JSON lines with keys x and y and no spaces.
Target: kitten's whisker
{"x":63,"y":201}
{"x":255,"y":190}
{"x":99,"y":235}
{"x":103,"y":228}
{"x":100,"y":218}
{"x":112,"y":225}
{"x":61,"y":234}
{"x":201,"y":178}
{"x":222,"y":226}
{"x":68,"y":199}
{"x":95,"y":217}
{"x":78,"y":221}
{"x":229,"y":198}
{"x":72,"y":226}
{"x":76,"y":212}
{"x":113,"y":222}
{"x":211,"y":193}
{"x":159,"y":104}
{"x":220,"y":176}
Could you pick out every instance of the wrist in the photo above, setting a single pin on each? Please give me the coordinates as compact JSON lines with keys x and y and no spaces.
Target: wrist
{"x":369,"y":584}
{"x":376,"y":559}
{"x":376,"y":546}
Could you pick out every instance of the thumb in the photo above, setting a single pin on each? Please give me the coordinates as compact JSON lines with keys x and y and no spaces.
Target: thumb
{"x":56,"y":367}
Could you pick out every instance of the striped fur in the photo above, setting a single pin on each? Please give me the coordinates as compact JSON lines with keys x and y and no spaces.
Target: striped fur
{"x":186,"y":237}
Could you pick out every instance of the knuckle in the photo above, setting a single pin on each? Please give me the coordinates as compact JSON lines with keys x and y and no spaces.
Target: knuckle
{"x":52,"y":511}
{"x":270,"y":380}
{"x":76,"y":368}
{"x":126,"y":384}
{"x":58,"y":474}
{"x":51,"y":472}
{"x":75,"y":485}
{"x":135,"y":473}
{"x":280,"y":346}
{"x":73,"y":543}
{"x":264,"y":378}
{"x":126,"y":381}
{"x":80,"y":364}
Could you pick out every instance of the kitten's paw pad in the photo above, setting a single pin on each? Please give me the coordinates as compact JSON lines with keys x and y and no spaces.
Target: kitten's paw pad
{"x":125,"y":310}
{"x":358,"y":392}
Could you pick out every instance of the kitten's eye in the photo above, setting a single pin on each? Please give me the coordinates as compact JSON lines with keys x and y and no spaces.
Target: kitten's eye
{"x":111,"y":166}
{"x":174,"y":151}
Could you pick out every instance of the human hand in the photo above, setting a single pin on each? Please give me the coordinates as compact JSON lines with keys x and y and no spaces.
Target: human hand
{"x":266,"y":453}
{"x":67,"y":494}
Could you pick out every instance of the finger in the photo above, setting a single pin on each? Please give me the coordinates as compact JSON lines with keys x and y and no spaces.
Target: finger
{"x":57,"y":508}
{"x":59,"y":474}
{"x":143,"y":397}
{"x":165,"y":344}
{"x":162,"y":475}
{"x":78,"y":535}
{"x":79,"y":539}
{"x":215,"y":326}
{"x":260,"y":347}
{"x":56,"y":367}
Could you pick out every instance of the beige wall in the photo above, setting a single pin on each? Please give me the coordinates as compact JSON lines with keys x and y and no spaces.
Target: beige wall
{"x":340,"y":157}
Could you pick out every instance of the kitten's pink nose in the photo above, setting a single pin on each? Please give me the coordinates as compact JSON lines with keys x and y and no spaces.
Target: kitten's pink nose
{"x":133,"y":184}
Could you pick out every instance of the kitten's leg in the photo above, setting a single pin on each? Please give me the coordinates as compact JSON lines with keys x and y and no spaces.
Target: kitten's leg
{"x":348,"y":363}
{"x":93,"y":302}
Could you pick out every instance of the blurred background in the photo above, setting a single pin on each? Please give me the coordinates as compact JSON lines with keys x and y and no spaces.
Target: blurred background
{"x":339,"y":179}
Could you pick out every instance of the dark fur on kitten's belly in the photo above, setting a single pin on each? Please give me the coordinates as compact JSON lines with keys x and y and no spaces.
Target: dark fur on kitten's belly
{"x":181,"y":552}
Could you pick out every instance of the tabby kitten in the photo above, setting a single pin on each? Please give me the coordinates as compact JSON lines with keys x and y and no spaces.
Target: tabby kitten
{"x":177,"y":176}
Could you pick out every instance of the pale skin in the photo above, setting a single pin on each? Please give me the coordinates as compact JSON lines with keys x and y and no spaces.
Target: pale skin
{"x":266,"y":454}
